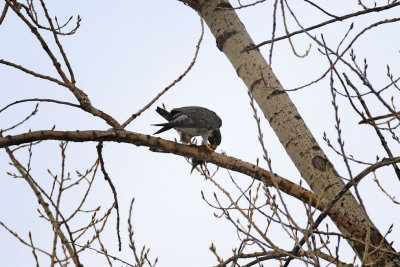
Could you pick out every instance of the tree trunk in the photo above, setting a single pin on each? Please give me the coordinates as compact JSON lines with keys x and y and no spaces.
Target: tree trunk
{"x":231,"y":37}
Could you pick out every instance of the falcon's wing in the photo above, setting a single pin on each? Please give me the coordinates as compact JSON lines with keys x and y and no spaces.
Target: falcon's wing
{"x":198,"y":117}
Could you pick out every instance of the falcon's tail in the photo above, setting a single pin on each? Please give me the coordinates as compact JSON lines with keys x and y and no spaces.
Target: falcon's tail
{"x":166,"y":127}
{"x":165,"y":114}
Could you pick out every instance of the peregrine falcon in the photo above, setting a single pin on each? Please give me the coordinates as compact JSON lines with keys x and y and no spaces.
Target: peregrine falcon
{"x":193,"y":121}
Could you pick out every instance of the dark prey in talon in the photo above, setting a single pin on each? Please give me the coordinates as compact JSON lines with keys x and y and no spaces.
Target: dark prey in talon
{"x":193,"y":121}
{"x":196,"y":163}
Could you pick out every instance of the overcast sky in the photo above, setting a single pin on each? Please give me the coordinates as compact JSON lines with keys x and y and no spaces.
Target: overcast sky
{"x":124,"y":54}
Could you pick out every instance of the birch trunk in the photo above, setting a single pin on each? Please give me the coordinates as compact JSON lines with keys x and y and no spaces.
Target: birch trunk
{"x":231,"y":37}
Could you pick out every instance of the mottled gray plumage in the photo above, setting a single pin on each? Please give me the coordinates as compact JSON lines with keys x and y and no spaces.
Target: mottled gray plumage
{"x":192,"y":121}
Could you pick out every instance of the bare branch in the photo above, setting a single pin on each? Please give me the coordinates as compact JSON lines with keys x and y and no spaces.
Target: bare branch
{"x":60,"y":47}
{"x":21,"y":122}
{"x":23,"y":241}
{"x":3,"y":14}
{"x":110,"y":183}
{"x":38,"y":75}
{"x":40,"y":100}
{"x":341,"y":18}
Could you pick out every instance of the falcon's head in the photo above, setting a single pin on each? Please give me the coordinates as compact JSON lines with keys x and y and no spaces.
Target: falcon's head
{"x":215,"y":139}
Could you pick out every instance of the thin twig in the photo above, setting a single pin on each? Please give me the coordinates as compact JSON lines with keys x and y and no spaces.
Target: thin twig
{"x":38,"y":75}
{"x":40,"y":100}
{"x":111,"y":256}
{"x":273,"y":32}
{"x":24,"y":120}
{"x":3,"y":14}
{"x":60,"y":47}
{"x":287,"y":33}
{"x":341,"y":18}
{"x":131,"y":232}
{"x":321,"y":9}
{"x":108,"y":179}
{"x":23,"y":241}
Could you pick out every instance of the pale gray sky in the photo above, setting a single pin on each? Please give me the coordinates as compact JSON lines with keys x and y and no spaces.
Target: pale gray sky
{"x":124,"y":54}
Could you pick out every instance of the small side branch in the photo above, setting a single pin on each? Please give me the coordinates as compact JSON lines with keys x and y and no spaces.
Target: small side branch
{"x":341,"y":18}
{"x":108,"y":179}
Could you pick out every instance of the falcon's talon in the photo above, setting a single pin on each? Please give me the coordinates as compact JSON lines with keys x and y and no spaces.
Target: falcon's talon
{"x":210,"y":147}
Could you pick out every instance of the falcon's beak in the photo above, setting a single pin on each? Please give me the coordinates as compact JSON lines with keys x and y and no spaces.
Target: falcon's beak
{"x":213,"y":145}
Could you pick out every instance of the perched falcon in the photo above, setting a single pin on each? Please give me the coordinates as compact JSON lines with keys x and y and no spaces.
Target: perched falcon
{"x":192,"y":121}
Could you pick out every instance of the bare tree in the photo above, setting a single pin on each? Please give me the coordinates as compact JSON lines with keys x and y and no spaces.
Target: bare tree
{"x":259,"y":205}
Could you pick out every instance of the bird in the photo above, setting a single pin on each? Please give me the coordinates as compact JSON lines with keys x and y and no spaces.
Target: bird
{"x":193,"y":121}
